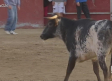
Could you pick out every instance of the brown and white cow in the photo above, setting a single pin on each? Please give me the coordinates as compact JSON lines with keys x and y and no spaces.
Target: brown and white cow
{"x":85,"y":39}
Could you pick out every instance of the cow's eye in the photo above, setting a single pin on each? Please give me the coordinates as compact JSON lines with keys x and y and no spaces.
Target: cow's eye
{"x":50,"y":24}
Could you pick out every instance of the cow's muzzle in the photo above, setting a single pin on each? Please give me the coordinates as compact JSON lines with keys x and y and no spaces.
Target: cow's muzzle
{"x":43,"y":37}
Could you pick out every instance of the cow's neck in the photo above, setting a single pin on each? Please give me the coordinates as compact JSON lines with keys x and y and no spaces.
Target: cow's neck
{"x":58,"y":32}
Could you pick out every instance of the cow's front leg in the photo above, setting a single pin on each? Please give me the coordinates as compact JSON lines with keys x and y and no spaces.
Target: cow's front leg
{"x":71,"y":65}
{"x":103,"y":66}
{"x":96,"y":69}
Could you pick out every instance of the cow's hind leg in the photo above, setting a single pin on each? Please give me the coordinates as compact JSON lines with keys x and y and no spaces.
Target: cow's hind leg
{"x":103,"y":66}
{"x":110,"y":72}
{"x":96,"y":69}
{"x":71,"y":65}
{"x":111,"y":67}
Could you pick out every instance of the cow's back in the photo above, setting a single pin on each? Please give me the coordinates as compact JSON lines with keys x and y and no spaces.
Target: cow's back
{"x":86,"y":37}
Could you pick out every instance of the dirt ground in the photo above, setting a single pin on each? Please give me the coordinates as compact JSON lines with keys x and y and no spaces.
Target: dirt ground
{"x":25,"y":57}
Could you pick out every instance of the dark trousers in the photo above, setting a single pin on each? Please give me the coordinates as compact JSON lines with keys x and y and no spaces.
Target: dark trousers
{"x":83,"y":7}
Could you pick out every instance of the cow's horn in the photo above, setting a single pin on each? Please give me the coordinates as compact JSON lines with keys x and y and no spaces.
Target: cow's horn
{"x":53,"y":17}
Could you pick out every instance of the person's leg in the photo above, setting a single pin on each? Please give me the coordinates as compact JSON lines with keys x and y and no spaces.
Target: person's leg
{"x":79,"y":11}
{"x":85,"y":10}
{"x":15,"y":19}
{"x":9,"y":20}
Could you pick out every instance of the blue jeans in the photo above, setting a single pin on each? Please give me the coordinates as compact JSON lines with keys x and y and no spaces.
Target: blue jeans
{"x":12,"y":19}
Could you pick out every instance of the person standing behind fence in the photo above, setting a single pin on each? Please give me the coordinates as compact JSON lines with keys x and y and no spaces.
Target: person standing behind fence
{"x":59,"y":6}
{"x":12,"y":15}
{"x":81,"y":5}
{"x":46,"y":3}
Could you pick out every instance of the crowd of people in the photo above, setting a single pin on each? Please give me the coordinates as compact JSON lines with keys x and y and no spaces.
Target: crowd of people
{"x":59,"y":7}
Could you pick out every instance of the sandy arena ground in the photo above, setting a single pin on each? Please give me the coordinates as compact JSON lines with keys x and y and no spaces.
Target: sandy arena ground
{"x":26,"y":57}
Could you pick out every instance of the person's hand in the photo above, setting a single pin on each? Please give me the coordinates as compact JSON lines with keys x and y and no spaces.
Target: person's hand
{"x":53,"y":3}
{"x":18,"y":7}
{"x":49,"y":0}
{"x":10,"y":7}
{"x":65,"y":3}
{"x":78,"y":4}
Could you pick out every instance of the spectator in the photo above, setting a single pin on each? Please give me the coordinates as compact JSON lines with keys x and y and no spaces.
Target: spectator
{"x":12,"y":15}
{"x":81,"y":5}
{"x":46,"y":3}
{"x":59,"y":6}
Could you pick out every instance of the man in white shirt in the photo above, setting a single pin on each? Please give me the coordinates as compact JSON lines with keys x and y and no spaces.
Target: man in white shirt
{"x":59,"y":6}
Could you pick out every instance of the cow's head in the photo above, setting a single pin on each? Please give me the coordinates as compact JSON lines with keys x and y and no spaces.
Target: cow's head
{"x":51,"y":27}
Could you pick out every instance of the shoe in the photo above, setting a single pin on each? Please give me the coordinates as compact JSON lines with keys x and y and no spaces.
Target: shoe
{"x":7,"y":32}
{"x":12,"y":32}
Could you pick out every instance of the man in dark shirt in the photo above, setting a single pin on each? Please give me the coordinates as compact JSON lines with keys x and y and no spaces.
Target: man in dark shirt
{"x":46,"y":3}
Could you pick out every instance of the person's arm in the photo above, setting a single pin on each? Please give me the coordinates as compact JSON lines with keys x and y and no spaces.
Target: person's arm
{"x":77,"y":3}
{"x":53,"y":2}
{"x":6,"y":2}
{"x":65,"y":2}
{"x":18,"y":3}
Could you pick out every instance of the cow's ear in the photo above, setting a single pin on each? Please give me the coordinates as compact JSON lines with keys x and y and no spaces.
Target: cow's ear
{"x":57,"y":21}
{"x":59,"y":15}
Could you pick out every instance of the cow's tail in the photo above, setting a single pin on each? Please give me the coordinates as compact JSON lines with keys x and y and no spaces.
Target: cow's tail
{"x":110,"y":35}
{"x":111,"y":63}
{"x":109,"y":29}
